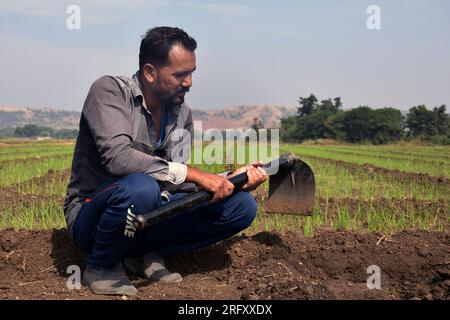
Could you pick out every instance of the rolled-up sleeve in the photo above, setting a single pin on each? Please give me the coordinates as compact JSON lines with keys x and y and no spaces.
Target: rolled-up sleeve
{"x":109,"y":118}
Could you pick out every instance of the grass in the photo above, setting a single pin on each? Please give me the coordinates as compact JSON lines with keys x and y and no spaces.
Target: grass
{"x":399,"y":152}
{"x":34,"y":177}
{"x":24,"y":152}
{"x":37,"y":215}
{"x":334,"y":180}
{"x":432,"y":168}
{"x":14,"y":172}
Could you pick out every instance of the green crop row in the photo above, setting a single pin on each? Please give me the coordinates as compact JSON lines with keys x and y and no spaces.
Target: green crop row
{"x":349,"y":196}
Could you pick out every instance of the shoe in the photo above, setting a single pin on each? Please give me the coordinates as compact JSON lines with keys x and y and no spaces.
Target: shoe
{"x":108,"y":281}
{"x":152,"y":267}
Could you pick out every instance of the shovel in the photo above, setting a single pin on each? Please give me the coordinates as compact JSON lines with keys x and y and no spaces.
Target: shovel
{"x":291,"y":191}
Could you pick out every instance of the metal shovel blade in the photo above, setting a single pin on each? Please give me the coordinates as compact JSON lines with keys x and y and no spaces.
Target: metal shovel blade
{"x":292,"y":190}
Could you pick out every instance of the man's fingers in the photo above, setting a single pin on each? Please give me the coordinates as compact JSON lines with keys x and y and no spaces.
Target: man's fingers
{"x":255,"y":178}
{"x":224,"y":190}
{"x":259,"y":173}
{"x":258,"y":165}
{"x":255,"y":175}
{"x":263,"y":172}
{"x":251,"y":174}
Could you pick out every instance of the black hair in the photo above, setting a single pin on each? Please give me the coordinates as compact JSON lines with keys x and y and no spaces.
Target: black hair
{"x":157,"y":42}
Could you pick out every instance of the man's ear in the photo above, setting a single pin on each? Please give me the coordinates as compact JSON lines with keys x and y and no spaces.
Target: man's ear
{"x":150,"y":74}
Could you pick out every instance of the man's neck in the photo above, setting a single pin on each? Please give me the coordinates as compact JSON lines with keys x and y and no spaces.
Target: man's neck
{"x":153,"y":105}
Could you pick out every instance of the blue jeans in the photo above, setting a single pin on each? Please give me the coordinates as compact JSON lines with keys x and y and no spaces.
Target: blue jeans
{"x":99,"y":227}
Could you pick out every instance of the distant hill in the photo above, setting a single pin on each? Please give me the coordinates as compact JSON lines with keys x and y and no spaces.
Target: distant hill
{"x":234,"y":117}
{"x":57,"y":119}
{"x":242,"y":116}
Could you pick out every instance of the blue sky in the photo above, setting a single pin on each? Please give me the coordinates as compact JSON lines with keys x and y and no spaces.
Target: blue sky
{"x":249,"y":52}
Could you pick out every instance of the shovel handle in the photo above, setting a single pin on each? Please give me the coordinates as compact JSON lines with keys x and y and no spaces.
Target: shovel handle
{"x":175,"y":207}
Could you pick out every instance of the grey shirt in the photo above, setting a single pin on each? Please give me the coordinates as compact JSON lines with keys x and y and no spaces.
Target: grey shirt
{"x":117,"y":137}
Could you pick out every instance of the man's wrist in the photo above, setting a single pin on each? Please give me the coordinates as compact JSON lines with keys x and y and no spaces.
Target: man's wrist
{"x":192,"y":174}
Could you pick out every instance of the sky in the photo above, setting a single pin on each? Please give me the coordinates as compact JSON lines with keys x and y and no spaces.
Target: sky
{"x":249,"y":52}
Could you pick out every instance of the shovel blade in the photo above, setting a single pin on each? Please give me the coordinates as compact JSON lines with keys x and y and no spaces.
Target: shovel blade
{"x":292,"y":190}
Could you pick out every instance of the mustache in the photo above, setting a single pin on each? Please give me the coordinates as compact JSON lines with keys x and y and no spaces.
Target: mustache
{"x":184,"y":90}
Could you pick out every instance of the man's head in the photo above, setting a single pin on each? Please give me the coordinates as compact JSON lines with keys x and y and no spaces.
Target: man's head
{"x":166,"y":63}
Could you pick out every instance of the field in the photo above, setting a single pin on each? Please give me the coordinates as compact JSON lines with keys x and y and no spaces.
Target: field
{"x":375,"y":205}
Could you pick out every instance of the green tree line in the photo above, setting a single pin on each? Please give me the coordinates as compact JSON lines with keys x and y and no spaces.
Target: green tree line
{"x":326,"y":119}
{"x":32,"y":130}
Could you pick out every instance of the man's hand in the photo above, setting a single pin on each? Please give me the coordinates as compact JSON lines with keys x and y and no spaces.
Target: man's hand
{"x":256,"y":175}
{"x":218,"y":185}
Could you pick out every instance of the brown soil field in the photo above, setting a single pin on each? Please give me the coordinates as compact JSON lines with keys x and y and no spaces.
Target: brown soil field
{"x":267,"y":265}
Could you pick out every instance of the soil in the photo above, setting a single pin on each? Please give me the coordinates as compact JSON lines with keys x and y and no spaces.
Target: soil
{"x":267,"y":265}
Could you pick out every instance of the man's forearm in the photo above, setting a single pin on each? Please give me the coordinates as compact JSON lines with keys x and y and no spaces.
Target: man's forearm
{"x":193,"y":174}
{"x":121,"y":159}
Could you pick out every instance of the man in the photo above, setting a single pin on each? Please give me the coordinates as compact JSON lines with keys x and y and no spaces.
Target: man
{"x":124,"y":161}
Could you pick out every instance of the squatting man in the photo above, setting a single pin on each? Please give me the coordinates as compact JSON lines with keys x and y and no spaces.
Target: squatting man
{"x":124,"y":161}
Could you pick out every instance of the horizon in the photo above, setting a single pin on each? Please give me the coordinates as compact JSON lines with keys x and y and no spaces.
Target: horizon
{"x":55,"y":109}
{"x":250,"y":53}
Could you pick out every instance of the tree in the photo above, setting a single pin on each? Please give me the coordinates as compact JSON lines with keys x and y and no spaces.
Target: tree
{"x":314,"y":120}
{"x":257,"y":124}
{"x":29,"y":130}
{"x":318,"y":123}
{"x":419,"y":121}
{"x":365,"y":124}
{"x":32,"y":130}
{"x":337,"y":102}
{"x":65,"y":134}
{"x":288,"y":129}
{"x":441,"y":120}
{"x":354,"y":124}
{"x":327,"y":120}
{"x":307,"y":105}
{"x":387,"y":125}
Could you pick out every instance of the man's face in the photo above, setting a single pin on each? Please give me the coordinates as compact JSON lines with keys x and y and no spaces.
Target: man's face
{"x":175,"y":78}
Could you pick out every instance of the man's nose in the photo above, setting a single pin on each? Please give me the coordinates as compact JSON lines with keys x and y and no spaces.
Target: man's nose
{"x":187,"y":82}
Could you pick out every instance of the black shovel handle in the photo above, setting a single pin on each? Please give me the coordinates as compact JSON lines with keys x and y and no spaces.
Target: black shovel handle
{"x":175,"y":207}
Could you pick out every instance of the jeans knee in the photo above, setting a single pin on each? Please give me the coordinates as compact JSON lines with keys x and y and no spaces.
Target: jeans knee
{"x":248,"y":207}
{"x":142,"y":191}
